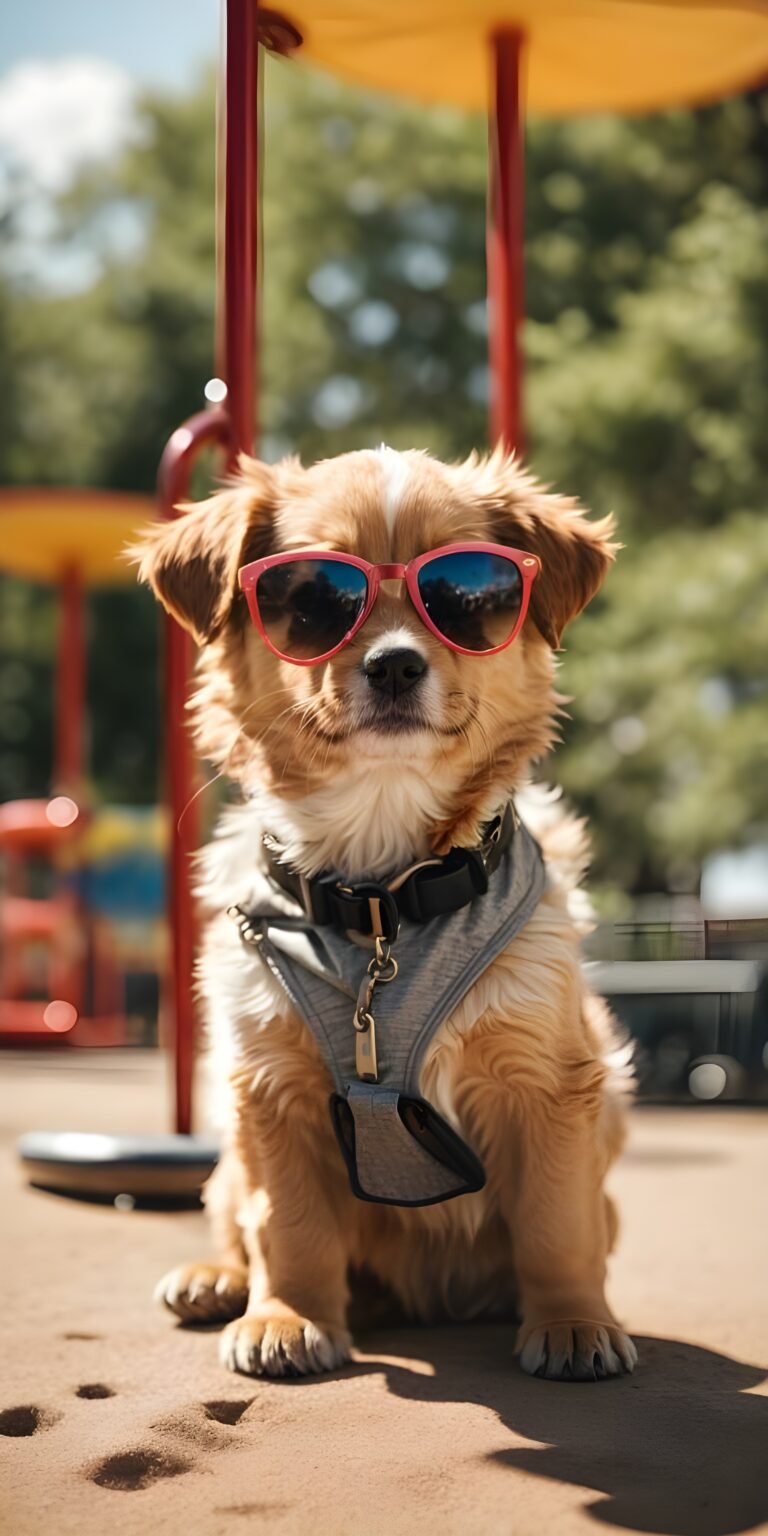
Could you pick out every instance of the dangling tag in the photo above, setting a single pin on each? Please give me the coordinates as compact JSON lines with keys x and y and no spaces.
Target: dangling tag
{"x":365,"y":1042}
{"x":382,"y":969}
{"x":365,"y":1053}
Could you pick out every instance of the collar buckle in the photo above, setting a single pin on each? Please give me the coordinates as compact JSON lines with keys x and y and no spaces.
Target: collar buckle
{"x":383,"y":912}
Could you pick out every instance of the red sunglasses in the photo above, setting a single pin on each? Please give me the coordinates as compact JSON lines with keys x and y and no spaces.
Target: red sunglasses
{"x":309,"y":603}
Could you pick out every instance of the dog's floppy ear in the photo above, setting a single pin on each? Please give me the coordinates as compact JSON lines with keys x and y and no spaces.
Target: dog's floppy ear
{"x":575,"y":553}
{"x":191,"y":563}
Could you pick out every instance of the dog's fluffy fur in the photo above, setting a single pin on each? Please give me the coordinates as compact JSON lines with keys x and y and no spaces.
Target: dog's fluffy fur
{"x":527,"y":1067}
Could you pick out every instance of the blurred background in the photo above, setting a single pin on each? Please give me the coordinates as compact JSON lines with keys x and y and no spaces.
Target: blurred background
{"x":646,"y":394}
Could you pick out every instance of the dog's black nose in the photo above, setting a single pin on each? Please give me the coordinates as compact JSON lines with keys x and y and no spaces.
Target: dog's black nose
{"x":394,"y":672}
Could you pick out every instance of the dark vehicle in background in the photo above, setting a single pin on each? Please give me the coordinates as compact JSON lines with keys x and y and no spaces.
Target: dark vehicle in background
{"x":700,"y":1026}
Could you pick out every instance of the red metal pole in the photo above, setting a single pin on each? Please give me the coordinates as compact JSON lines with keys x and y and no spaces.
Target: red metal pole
{"x":173,"y":486}
{"x":69,"y":722}
{"x":239,"y":233}
{"x":234,"y":428}
{"x":505,"y":238}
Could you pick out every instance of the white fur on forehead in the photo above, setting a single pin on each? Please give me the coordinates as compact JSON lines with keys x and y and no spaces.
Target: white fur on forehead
{"x":395,"y":471}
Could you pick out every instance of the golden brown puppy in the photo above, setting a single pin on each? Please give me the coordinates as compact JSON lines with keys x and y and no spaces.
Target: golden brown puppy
{"x":353,"y":780}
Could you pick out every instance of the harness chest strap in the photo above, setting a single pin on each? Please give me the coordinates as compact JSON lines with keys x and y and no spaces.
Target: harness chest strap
{"x":433,"y":887}
{"x":397,"y":1148}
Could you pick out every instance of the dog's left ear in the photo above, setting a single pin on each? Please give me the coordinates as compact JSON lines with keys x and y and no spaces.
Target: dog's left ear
{"x":575,"y":553}
{"x":191,"y":564}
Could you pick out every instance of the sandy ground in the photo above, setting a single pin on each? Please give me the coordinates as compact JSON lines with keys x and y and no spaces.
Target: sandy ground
{"x":136,"y":1430}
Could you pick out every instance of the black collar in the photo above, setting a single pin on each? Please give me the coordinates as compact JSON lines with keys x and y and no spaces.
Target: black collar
{"x":431,"y":888}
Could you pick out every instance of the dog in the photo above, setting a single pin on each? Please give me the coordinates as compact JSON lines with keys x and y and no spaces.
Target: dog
{"x":376,"y":721}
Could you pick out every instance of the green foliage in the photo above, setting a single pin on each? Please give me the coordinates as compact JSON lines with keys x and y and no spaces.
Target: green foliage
{"x":669,"y":676}
{"x":647,"y":392}
{"x":374,"y":273}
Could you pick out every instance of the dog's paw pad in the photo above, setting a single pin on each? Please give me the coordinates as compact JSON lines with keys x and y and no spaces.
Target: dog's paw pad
{"x":283,"y":1346}
{"x":577,"y":1351}
{"x":204,"y":1293}
{"x":94,"y":1389}
{"x":128,"y":1471}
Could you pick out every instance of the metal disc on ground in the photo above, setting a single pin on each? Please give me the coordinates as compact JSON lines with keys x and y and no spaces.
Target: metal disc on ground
{"x":125,"y":1169}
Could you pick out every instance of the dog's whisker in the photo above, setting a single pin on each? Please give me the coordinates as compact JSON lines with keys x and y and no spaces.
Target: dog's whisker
{"x":301,"y":710}
{"x":196,"y":796}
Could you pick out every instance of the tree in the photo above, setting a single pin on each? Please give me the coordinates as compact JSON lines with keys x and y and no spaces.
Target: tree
{"x":647,"y":391}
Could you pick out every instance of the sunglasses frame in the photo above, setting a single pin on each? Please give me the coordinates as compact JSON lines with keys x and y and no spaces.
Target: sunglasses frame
{"x":528,"y":566}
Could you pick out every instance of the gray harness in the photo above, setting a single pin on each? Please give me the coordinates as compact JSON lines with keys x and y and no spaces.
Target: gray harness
{"x":397,"y":1148}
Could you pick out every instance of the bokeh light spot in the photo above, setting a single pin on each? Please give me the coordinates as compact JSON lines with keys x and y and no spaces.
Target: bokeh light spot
{"x":215,"y":391}
{"x":61,"y":811}
{"x":628,"y":735}
{"x":60,"y":1016}
{"x":707,"y":1080}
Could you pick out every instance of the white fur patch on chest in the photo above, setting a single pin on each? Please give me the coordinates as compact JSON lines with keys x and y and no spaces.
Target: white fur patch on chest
{"x":370,"y":823}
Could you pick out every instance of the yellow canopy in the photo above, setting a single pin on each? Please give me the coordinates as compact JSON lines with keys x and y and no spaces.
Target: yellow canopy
{"x":44,"y":532}
{"x":582,"y":55}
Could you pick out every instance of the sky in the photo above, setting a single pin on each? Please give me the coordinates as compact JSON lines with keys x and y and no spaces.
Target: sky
{"x":70,"y":71}
{"x":153,"y":41}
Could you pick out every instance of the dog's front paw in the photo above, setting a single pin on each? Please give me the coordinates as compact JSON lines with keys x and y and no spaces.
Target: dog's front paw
{"x":281,"y":1343}
{"x":204,"y":1293}
{"x":578,"y":1351}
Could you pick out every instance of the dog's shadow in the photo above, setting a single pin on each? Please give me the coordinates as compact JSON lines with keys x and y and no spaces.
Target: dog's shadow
{"x":680,"y":1447}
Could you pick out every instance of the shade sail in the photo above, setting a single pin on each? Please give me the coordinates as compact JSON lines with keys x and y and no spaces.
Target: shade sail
{"x":582,"y":55}
{"x":47,"y":531}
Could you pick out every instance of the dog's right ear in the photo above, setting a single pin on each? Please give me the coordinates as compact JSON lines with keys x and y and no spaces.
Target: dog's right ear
{"x":191,"y":563}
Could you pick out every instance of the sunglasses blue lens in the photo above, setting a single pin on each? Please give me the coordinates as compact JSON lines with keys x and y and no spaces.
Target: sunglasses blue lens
{"x":473,"y":598}
{"x":308,"y":606}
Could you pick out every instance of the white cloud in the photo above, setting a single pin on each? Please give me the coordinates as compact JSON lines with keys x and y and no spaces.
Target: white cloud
{"x":56,"y":116}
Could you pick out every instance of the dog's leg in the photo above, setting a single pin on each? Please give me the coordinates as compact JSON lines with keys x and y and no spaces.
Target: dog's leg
{"x":559,"y":1220}
{"x":295,"y":1320}
{"x":213,"y":1293}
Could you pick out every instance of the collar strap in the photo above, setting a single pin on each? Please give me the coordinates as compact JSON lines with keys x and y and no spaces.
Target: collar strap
{"x":430,"y":889}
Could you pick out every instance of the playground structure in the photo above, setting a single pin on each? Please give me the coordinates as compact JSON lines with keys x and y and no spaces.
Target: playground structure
{"x":67,"y":882}
{"x":555,"y":56}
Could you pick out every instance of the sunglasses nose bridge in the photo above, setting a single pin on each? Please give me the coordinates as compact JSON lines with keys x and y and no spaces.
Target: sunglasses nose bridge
{"x":391,"y":597}
{"x":392,"y":586}
{"x":392,"y":606}
{"x":390,"y":581}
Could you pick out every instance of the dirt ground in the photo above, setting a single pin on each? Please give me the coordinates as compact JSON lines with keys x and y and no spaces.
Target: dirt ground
{"x":132,"y":1427}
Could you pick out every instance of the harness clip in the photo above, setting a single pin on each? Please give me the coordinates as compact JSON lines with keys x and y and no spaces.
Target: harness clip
{"x":381,"y":969}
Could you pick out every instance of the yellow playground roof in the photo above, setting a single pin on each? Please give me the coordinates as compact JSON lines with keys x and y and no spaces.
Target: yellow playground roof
{"x":47,"y":531}
{"x":582,"y":55}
